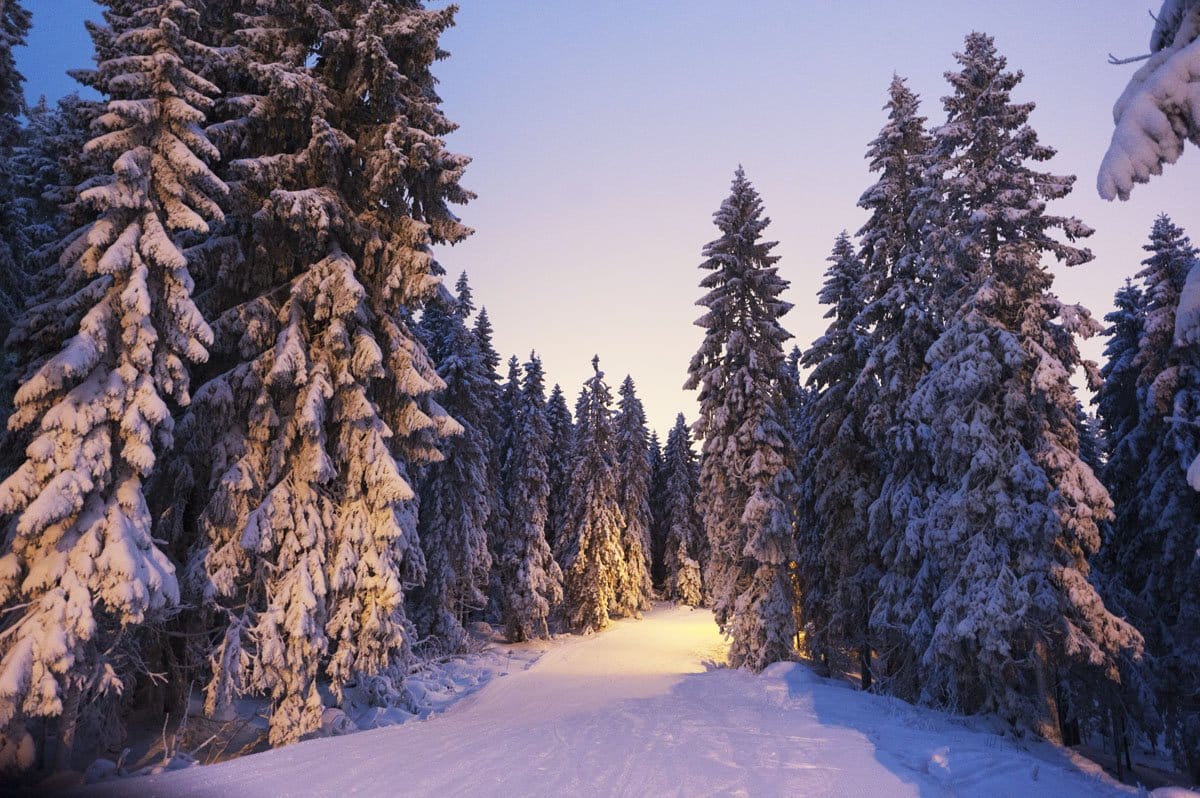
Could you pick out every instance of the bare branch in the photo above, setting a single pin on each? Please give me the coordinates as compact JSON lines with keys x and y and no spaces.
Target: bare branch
{"x":1112,"y":59}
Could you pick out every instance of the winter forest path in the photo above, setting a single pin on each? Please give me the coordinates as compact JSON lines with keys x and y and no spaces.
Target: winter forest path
{"x":639,"y":710}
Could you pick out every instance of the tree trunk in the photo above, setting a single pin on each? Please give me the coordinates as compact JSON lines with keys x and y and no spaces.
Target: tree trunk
{"x":68,"y":725}
{"x":1125,"y":745}
{"x":1115,"y":726}
{"x":1048,"y":726}
{"x":864,"y":665}
{"x":1068,"y":725}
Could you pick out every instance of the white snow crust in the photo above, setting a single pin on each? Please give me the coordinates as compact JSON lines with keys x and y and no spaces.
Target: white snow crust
{"x":642,"y":709}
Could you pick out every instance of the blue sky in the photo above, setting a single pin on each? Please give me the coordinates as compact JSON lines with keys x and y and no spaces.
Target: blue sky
{"x":604,"y":134}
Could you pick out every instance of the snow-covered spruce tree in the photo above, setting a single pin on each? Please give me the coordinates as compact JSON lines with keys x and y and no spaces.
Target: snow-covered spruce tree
{"x":1151,"y":376}
{"x":483,"y":336}
{"x":496,"y":422}
{"x":1164,"y":275}
{"x":1013,"y":513}
{"x":80,"y":566}
{"x":898,"y":245}
{"x":456,"y":494}
{"x":746,"y":482}
{"x":590,"y":550}
{"x":682,"y":549}
{"x":658,"y":529}
{"x":798,"y":401}
{"x":530,"y":579}
{"x":14,"y":25}
{"x":844,"y":471}
{"x":1156,"y":553}
{"x":48,"y":169}
{"x":633,"y":492}
{"x":558,"y":463}
{"x":52,"y":134}
{"x":15,"y":243}
{"x":1118,"y":410}
{"x":304,"y":445}
{"x":504,"y":420}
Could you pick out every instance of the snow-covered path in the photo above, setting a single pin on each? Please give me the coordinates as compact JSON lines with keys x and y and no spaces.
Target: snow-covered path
{"x":636,"y":711}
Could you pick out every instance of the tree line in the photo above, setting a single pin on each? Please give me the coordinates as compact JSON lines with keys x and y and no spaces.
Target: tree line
{"x":254,"y":442}
{"x":943,"y":518}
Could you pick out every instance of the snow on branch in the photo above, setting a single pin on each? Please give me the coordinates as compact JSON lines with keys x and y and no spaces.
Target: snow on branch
{"x":1160,"y":108}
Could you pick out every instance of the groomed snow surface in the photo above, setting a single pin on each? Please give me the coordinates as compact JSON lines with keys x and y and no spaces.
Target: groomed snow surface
{"x":641,"y":709}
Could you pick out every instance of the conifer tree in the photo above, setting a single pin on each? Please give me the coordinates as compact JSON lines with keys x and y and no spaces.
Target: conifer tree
{"x":504,"y":421}
{"x":483,"y":335}
{"x":52,"y":134}
{"x":558,"y":463}
{"x":1013,"y":515}
{"x":80,"y":566}
{"x":494,"y":423}
{"x":844,"y":477}
{"x":1117,"y":405}
{"x":591,"y":551}
{"x":46,"y":168}
{"x":456,"y":493}
{"x":1126,"y":442}
{"x":682,"y":548}
{"x":897,"y":248}
{"x":1155,"y":551}
{"x":506,"y":410}
{"x":530,"y":579}
{"x":746,"y":482}
{"x":633,"y":493}
{"x":303,"y":447}
{"x":14,"y":245}
{"x":658,"y":528}
{"x":807,"y":571}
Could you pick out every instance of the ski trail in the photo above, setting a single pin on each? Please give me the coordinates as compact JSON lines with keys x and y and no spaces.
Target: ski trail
{"x":637,"y":710}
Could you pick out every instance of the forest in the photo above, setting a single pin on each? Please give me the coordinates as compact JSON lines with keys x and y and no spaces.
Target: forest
{"x":260,"y":445}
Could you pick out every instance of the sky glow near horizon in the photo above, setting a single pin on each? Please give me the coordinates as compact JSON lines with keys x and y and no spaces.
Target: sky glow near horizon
{"x":604,"y":136}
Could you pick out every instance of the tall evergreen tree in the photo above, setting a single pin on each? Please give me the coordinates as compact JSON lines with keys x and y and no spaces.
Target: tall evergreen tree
{"x":1118,"y":408}
{"x":80,"y":565}
{"x":558,"y":463}
{"x":14,"y":244}
{"x":658,"y":527}
{"x":1155,"y":550}
{"x":900,"y":314}
{"x":1119,"y":454}
{"x":531,"y":580}
{"x":844,"y":477}
{"x":746,"y":482}
{"x":456,"y":493}
{"x":683,"y":546}
{"x":504,"y":420}
{"x":45,"y":169}
{"x":1012,"y":519}
{"x":633,"y":493}
{"x":303,"y":446}
{"x":483,"y":334}
{"x":591,"y":551}
{"x":807,"y":570}
{"x":495,"y":422}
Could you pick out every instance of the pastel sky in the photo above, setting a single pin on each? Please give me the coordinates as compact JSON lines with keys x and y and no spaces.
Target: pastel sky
{"x":604,"y":134}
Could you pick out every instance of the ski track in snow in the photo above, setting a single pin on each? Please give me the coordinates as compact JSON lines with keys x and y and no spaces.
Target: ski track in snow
{"x":640,"y":710}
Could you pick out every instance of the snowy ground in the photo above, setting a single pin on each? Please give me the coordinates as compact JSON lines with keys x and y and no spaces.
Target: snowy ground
{"x":641,"y":710}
